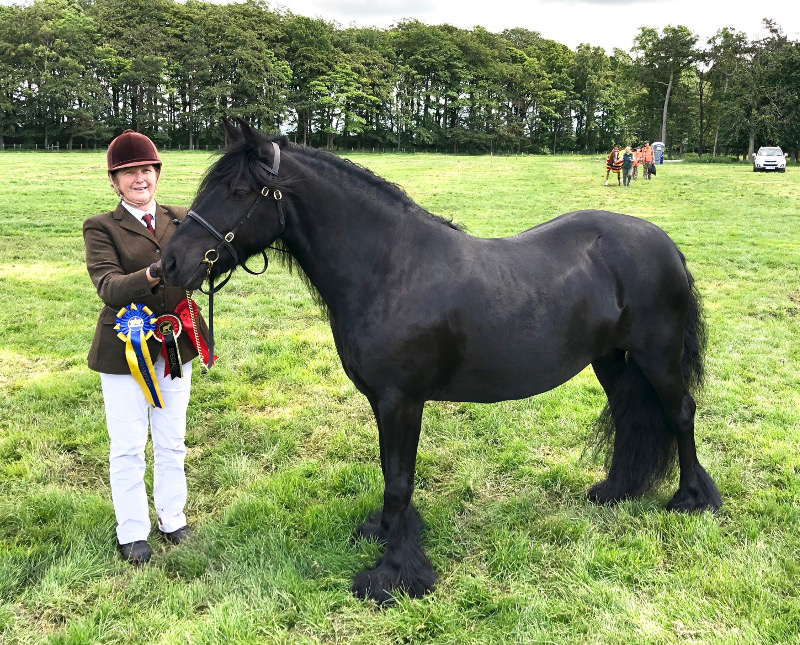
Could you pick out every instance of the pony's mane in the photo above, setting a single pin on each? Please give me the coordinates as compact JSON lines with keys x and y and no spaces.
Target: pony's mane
{"x":358,"y":173}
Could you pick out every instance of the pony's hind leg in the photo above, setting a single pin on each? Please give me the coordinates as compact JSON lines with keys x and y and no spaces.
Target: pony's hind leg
{"x":609,"y":371}
{"x":404,"y":566}
{"x":696,"y":490}
{"x":634,"y":424}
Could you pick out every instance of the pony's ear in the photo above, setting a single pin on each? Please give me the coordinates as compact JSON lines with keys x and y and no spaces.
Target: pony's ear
{"x":248,"y":132}
{"x":255,"y":139}
{"x":230,"y":131}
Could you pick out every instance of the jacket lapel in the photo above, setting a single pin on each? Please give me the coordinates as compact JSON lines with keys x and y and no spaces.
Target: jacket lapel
{"x":130,"y":223}
{"x":163,"y":224}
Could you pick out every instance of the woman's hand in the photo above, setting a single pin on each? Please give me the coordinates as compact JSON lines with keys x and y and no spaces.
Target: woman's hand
{"x":154,"y":274}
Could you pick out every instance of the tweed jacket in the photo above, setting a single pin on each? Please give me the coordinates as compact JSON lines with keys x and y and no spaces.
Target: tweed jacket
{"x":119,"y":249}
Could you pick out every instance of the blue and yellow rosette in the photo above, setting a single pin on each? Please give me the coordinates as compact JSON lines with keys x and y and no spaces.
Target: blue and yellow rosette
{"x":135,"y":324}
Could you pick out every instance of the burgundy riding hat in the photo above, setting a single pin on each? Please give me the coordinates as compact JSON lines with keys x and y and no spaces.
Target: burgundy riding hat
{"x":131,"y":149}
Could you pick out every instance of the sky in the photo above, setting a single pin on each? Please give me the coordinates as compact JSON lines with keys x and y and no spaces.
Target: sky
{"x":604,"y":23}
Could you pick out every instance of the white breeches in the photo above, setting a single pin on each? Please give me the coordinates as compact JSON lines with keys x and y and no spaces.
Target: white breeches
{"x":127,"y":416}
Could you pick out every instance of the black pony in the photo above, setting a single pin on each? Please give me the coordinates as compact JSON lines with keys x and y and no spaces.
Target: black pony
{"x":422,"y":311}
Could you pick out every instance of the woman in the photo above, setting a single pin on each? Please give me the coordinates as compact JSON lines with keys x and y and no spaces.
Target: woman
{"x":123,"y":251}
{"x":627,"y":166}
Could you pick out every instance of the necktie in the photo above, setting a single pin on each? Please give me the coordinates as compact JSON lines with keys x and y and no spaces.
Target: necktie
{"x":148,"y":220}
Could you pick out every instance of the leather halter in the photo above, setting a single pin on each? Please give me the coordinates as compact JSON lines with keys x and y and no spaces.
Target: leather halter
{"x":212,"y":255}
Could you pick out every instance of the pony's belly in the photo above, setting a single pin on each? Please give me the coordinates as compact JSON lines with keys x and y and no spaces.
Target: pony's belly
{"x":510,"y":376}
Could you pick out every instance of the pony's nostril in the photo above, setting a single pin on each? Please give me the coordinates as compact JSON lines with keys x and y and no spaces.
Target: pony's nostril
{"x":168,"y":265}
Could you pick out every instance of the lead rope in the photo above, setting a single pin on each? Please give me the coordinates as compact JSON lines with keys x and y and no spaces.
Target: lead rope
{"x":193,"y":318}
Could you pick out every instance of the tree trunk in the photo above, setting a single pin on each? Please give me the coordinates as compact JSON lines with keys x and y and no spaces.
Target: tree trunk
{"x":664,"y":113}
{"x":716,"y":134}
{"x":702,"y":126}
{"x":555,"y":134}
{"x":751,"y":144}
{"x":191,"y":112}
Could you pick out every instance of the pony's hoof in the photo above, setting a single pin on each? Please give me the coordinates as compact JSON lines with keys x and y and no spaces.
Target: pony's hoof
{"x":699,"y":494}
{"x":383,"y":583}
{"x":368,"y":585}
{"x":605,"y":492}
{"x":692,"y":501}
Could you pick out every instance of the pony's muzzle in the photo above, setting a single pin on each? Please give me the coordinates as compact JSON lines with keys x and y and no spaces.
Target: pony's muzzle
{"x":173,"y":275}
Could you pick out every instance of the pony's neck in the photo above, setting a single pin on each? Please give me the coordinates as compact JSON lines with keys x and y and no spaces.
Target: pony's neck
{"x":346,"y":227}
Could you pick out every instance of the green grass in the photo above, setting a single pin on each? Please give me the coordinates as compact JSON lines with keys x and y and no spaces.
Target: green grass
{"x":283,"y":451}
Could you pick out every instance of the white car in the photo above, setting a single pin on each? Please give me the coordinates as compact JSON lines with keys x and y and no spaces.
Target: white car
{"x":769,"y":158}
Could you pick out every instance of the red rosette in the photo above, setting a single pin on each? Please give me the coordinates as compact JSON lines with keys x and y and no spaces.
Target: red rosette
{"x":167,"y":325}
{"x":185,"y":314}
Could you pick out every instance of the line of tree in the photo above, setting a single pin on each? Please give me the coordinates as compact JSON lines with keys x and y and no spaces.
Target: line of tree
{"x":78,"y":72}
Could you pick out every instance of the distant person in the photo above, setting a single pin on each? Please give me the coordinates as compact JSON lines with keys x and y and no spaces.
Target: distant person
{"x":637,"y":160}
{"x":123,"y":251}
{"x":627,"y":166}
{"x":613,"y":164}
{"x":647,"y":159}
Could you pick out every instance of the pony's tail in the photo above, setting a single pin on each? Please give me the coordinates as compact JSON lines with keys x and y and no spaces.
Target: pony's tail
{"x":632,"y":429}
{"x":694,"y":337}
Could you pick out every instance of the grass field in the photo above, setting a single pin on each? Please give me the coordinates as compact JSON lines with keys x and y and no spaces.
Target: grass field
{"x":283,"y":451}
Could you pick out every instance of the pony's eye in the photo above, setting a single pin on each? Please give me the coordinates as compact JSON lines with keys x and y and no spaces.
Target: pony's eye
{"x":239,"y":194}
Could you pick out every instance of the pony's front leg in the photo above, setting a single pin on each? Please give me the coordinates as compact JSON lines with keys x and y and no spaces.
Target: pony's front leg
{"x":404,"y":565}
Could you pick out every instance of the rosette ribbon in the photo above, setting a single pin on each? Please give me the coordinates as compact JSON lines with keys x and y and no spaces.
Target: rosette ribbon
{"x":135,"y":324}
{"x":187,"y":310}
{"x":168,"y":328}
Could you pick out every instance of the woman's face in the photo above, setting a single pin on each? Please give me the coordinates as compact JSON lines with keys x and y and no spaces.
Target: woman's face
{"x":137,"y":184}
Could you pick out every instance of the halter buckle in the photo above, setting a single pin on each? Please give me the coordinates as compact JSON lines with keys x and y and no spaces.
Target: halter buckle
{"x":229,"y":237}
{"x":278,"y":195}
{"x":265,"y":191}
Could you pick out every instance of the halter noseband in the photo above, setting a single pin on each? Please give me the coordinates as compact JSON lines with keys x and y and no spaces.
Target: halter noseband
{"x":212,"y":255}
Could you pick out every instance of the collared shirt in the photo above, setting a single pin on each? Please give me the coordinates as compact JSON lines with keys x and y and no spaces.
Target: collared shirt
{"x":139,"y":214}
